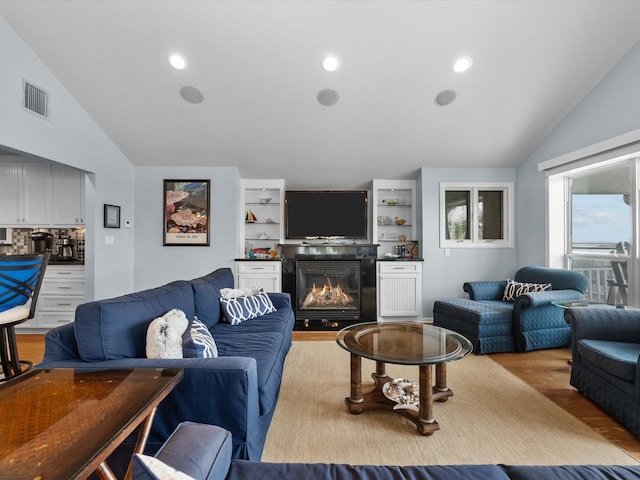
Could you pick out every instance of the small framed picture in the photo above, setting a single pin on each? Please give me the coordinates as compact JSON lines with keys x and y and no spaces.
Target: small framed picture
{"x":186,"y":212}
{"x":111,"y":216}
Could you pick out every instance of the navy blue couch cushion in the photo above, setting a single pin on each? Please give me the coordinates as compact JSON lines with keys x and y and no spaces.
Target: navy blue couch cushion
{"x":572,"y":472}
{"x":116,"y":328}
{"x":268,"y":350}
{"x":201,"y":451}
{"x":241,"y":470}
{"x":206,"y":292}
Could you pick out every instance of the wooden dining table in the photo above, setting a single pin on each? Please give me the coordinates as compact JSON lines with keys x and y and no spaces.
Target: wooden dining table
{"x":62,"y":424}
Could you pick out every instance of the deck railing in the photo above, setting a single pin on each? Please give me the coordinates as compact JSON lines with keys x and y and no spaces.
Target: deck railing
{"x":599,"y":283}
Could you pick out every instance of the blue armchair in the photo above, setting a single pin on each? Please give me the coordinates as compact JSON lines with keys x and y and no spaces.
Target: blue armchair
{"x":605,"y":349}
{"x":537,"y":322}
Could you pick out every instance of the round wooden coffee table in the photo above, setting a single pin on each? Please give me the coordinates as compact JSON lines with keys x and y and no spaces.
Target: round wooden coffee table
{"x":407,"y":343}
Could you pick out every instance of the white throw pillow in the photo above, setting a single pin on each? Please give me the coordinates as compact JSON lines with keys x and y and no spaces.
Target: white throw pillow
{"x":164,"y":335}
{"x":150,"y":468}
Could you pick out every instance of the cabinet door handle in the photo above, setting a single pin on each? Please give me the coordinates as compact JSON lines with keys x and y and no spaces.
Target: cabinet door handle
{"x":63,"y":273}
{"x":63,"y":288}
{"x":64,"y":304}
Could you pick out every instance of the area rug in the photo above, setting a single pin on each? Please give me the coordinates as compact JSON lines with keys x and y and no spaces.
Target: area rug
{"x":493,"y":417}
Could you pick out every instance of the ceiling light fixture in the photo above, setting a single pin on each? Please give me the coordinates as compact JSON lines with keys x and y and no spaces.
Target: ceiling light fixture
{"x":177,"y":61}
{"x":462,"y":64}
{"x":331,"y":63}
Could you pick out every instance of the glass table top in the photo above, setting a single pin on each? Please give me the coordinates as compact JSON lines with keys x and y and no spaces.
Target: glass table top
{"x":407,"y":343}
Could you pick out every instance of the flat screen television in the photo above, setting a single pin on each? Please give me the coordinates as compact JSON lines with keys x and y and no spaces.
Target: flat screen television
{"x":326,"y":214}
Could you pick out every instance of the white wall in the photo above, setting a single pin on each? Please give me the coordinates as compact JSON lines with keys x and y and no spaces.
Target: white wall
{"x":443,"y":276}
{"x":72,"y":138}
{"x":612,"y":108}
{"x":155,"y":264}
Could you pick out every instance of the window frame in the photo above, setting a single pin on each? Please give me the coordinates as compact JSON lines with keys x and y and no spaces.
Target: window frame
{"x":508,"y":216}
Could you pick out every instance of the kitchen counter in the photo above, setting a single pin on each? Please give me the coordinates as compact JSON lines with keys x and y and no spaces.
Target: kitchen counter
{"x":383,"y":259}
{"x":55,"y":261}
{"x":259,"y":259}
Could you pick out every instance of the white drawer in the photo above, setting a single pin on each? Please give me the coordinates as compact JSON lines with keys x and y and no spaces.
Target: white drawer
{"x":52,"y":320}
{"x":398,"y":267}
{"x":60,"y":287}
{"x":59,"y":303}
{"x":54,"y":272}
{"x":258,"y":267}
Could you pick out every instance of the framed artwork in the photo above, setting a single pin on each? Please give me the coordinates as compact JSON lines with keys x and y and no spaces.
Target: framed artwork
{"x":186,"y":212}
{"x":111,"y":216}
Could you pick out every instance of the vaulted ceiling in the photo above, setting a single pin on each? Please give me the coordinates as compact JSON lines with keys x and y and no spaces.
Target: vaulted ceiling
{"x":257,"y":66}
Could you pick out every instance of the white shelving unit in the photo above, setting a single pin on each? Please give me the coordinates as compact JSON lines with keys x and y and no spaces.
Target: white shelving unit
{"x":263,"y":225}
{"x":262,"y":204}
{"x":394,"y":213}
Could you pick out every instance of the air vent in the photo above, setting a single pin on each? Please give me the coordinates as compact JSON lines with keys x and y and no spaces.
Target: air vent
{"x":36,"y":100}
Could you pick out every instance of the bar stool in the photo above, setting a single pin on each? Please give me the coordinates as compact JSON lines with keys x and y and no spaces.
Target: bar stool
{"x":20,"y":280}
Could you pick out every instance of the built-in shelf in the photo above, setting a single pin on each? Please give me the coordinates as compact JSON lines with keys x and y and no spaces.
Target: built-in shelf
{"x":268,"y":228}
{"x":394,"y":215}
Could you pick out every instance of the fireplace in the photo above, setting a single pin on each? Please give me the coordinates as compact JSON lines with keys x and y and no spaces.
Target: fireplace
{"x":338,"y":268}
{"x":328,"y":290}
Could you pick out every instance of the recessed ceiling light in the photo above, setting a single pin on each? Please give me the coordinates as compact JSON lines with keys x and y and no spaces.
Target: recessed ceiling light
{"x":330,"y":63}
{"x":462,"y":64}
{"x":177,"y":61}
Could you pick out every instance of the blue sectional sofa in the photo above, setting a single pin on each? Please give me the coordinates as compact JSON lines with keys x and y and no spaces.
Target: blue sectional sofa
{"x":238,"y":390}
{"x":531,"y":321}
{"x":189,"y":456}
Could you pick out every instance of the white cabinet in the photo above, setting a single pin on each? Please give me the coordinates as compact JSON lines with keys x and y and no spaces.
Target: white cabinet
{"x":40,"y":194}
{"x":67,"y":196}
{"x":262,"y":206}
{"x":399,"y":290}
{"x":259,"y":273}
{"x":25,"y":190}
{"x":61,"y":292}
{"x":394,"y":213}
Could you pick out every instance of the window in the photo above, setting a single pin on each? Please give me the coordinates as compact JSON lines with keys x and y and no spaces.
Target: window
{"x":599,"y":225}
{"x":476,"y":215}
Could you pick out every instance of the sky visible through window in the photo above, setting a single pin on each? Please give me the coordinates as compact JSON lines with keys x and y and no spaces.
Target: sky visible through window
{"x":600,"y":218}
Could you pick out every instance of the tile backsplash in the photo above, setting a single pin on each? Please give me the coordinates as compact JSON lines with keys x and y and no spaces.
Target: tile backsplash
{"x":22,"y":243}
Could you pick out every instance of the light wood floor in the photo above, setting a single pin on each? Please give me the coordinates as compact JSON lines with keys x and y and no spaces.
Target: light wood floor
{"x":545,"y":370}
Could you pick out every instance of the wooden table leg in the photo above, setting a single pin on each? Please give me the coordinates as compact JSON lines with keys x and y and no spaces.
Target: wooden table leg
{"x":441,"y":392}
{"x":354,"y":402}
{"x":426,"y":424}
{"x":141,"y":443}
{"x":105,"y":473}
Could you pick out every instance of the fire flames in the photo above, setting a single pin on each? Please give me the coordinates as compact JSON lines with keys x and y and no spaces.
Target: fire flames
{"x":326,"y":296}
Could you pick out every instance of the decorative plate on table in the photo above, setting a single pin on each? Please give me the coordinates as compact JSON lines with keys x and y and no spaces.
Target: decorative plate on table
{"x":405,"y":392}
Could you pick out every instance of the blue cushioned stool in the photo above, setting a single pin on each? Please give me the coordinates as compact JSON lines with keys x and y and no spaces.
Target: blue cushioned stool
{"x":488,"y":326}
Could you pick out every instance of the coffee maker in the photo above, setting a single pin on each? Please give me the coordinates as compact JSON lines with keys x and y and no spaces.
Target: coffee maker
{"x":42,"y":242}
{"x":66,"y":248}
